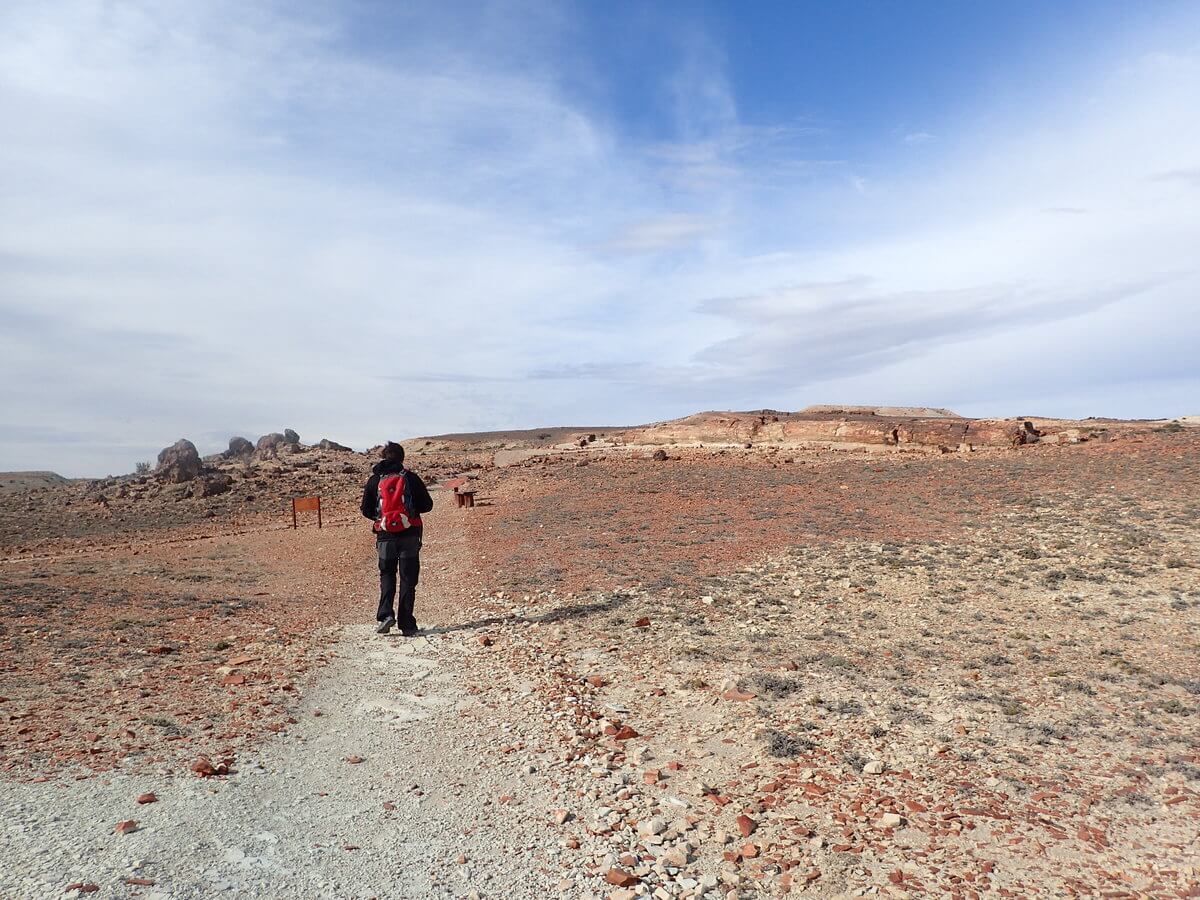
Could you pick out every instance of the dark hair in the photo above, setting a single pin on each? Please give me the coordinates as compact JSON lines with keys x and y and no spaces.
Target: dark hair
{"x":393,"y":451}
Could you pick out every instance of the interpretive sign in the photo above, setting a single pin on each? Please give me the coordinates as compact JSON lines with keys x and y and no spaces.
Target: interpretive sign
{"x":306,"y":504}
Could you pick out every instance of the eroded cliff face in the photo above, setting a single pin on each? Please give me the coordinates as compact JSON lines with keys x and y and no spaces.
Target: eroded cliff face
{"x":771,"y":427}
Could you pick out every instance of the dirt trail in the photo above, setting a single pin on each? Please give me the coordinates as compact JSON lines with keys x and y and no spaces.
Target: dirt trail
{"x":418,"y":817}
{"x":299,"y":818}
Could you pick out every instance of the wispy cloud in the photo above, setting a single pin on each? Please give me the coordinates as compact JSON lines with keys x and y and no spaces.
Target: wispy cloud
{"x":663,"y":232}
{"x":814,"y":332}
{"x":1180,"y":176}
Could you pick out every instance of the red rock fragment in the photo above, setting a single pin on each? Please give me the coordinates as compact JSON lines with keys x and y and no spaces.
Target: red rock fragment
{"x":749,"y":851}
{"x":354,"y":760}
{"x":620,"y":878}
{"x":140,"y":882}
{"x":643,"y":622}
{"x":485,"y":640}
{"x":84,"y":887}
{"x":389,"y":805}
{"x":232,"y":679}
{"x":126,"y":827}
{"x":147,"y":798}
{"x":746,"y":825}
{"x":625,"y":733}
{"x":650,"y":777}
{"x":596,"y":681}
{"x":204,"y":767}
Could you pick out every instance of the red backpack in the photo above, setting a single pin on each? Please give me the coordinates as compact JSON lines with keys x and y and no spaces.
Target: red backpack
{"x":396,"y":509}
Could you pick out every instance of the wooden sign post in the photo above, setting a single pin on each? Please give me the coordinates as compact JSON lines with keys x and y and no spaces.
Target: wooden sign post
{"x":306,"y":504}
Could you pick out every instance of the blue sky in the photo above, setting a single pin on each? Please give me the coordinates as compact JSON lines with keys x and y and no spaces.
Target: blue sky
{"x":372,"y":220}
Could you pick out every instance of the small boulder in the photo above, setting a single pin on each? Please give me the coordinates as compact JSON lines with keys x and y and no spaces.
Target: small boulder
{"x":178,"y":463}
{"x":660,"y":455}
{"x":290,"y":437}
{"x":327,"y":444}
{"x":238,"y":446}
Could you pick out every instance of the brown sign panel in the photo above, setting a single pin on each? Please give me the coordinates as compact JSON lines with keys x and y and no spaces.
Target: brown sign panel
{"x":306,"y":504}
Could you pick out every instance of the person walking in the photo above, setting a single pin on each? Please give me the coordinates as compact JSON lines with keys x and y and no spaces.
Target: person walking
{"x":394,"y":499}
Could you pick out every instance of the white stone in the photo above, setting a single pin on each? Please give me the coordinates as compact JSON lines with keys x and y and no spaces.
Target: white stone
{"x":652,"y":826}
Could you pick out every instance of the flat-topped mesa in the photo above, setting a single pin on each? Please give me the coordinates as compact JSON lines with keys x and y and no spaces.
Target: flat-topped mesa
{"x":868,"y":428}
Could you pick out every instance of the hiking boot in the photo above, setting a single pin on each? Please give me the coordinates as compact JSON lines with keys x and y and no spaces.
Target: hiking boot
{"x":410,"y":632}
{"x":385,"y":626}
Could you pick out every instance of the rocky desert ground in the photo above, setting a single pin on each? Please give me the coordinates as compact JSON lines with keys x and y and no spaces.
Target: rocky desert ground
{"x":842,"y":652}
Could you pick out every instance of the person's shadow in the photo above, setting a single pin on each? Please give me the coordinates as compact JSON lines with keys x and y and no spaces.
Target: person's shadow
{"x":558,"y":614}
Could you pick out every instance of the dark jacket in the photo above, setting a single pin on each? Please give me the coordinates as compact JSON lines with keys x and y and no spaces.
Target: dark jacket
{"x":370,"y":500}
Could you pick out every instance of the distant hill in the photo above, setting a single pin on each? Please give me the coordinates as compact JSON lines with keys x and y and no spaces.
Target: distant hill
{"x":14,"y":482}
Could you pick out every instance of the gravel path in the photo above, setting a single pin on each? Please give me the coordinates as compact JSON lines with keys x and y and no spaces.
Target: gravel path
{"x":417,"y":817}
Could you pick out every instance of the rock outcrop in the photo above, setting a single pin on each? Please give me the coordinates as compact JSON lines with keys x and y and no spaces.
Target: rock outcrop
{"x":747,"y":429}
{"x":270,"y":445}
{"x":238,"y":447}
{"x":327,"y":444}
{"x":178,"y":463}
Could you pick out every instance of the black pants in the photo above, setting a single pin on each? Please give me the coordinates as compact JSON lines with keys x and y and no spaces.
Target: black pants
{"x":399,"y":554}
